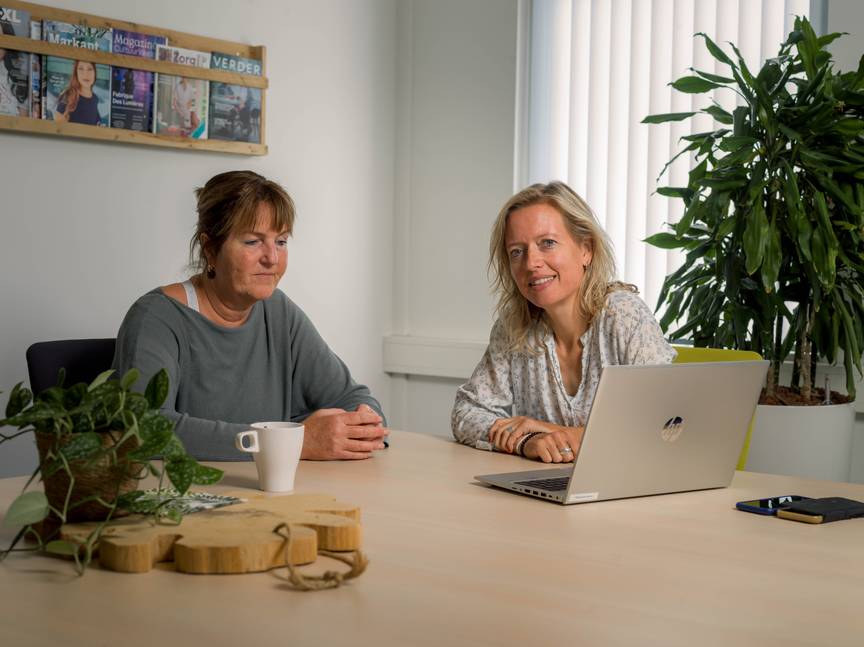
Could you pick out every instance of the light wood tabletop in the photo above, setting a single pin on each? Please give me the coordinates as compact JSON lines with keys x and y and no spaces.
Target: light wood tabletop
{"x":456,"y":563}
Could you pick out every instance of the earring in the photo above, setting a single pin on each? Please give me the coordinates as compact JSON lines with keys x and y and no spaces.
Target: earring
{"x":211,"y":273}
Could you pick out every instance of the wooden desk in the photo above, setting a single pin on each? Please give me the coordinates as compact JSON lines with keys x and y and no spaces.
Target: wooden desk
{"x":454,"y":563}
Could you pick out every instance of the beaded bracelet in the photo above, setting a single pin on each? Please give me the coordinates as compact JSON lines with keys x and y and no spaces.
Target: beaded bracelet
{"x":520,"y":444}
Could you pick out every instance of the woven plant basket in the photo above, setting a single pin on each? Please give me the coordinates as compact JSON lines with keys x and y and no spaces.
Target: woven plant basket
{"x":102,"y":477}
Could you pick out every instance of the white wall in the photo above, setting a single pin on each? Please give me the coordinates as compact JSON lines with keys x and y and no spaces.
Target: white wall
{"x":88,"y":227}
{"x":847,"y":16}
{"x":455,"y":147}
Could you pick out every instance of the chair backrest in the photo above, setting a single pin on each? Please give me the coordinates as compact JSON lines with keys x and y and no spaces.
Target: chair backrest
{"x":689,"y":354}
{"x":83,"y":360}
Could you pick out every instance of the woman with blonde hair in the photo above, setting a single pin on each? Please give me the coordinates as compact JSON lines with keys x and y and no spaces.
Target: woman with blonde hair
{"x":561,"y":318}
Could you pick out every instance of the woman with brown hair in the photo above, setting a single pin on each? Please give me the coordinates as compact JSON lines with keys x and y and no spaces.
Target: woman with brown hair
{"x":237,"y":350}
{"x":561,"y":318}
{"x":78,"y":103}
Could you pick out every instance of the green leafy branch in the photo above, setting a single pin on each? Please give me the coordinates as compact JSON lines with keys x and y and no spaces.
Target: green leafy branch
{"x":101,"y":424}
{"x":773,"y":219}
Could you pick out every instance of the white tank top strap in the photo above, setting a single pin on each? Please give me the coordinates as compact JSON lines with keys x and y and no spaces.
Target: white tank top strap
{"x":191,"y":295}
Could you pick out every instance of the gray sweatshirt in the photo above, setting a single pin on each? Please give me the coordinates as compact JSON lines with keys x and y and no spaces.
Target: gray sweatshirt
{"x":274,"y":367}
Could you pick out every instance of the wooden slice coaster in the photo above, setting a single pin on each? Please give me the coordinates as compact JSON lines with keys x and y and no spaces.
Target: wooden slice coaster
{"x":238,"y":538}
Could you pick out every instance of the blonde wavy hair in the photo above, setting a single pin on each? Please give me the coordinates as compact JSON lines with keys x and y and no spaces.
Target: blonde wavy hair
{"x":525,"y":323}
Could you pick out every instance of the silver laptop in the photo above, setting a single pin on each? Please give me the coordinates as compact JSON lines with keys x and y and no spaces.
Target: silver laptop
{"x":654,"y":430}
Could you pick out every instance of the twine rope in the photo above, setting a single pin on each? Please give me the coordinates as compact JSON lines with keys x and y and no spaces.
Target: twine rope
{"x":330,"y":579}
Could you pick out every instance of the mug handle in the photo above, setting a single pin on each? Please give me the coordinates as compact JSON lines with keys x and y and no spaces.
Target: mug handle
{"x":253,"y":442}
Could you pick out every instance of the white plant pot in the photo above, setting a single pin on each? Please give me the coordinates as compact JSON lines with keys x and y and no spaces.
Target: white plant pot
{"x":813,"y":442}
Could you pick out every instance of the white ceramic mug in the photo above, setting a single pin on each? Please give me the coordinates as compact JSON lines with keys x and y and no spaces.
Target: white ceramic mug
{"x":276,"y":447}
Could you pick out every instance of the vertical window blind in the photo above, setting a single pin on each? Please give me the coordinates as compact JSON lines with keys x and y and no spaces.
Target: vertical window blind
{"x":597,"y":68}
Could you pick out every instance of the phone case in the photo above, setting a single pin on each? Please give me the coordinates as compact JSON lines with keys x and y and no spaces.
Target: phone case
{"x":824,"y":510}
{"x":742,"y":505}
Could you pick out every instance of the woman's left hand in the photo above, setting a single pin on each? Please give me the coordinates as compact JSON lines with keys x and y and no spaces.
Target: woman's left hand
{"x":506,"y":432}
{"x":557,"y":447}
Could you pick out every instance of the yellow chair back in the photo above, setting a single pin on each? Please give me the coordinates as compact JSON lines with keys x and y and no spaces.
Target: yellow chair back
{"x":688,"y":354}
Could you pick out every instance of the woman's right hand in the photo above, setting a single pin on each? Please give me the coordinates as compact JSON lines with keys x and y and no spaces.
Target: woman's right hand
{"x":553,"y":447}
{"x":334,"y":434}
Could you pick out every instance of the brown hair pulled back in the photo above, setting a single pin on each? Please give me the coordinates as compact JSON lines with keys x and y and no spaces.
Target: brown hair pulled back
{"x":229,"y":202}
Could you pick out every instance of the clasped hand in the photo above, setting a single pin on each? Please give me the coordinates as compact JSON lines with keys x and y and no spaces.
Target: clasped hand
{"x":549,"y":446}
{"x":339,"y":434}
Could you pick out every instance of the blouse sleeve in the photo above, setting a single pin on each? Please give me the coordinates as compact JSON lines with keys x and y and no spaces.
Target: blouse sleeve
{"x":637,"y":336}
{"x":486,"y":397}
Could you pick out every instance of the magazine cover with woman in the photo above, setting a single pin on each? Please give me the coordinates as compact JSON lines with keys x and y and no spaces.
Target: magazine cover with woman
{"x":76,"y":91}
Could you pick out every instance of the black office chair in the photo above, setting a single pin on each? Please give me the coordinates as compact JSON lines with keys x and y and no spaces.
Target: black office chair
{"x":83,"y":360}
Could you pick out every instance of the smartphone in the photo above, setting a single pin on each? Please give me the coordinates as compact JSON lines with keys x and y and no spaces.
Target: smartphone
{"x":769,"y":506}
{"x":833,"y":508}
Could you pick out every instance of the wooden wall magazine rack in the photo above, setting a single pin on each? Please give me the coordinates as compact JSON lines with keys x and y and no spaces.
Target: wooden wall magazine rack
{"x":176,"y":39}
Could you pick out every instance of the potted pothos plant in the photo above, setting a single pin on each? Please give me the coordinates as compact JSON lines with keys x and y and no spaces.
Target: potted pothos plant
{"x":95,"y":442}
{"x":773,"y":223}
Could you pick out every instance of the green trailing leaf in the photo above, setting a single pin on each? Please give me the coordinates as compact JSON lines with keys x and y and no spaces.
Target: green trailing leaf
{"x":82,"y":446}
{"x":181,"y":472}
{"x":100,"y":379}
{"x":174,"y":449}
{"x":157,"y":389}
{"x":62,"y":547}
{"x":19,"y":398}
{"x":129,"y":379}
{"x":154,"y":445}
{"x":204,"y":475}
{"x":153,"y":422}
{"x":28,"y":508}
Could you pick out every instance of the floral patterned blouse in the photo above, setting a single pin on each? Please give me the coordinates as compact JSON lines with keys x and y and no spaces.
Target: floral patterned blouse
{"x":507,"y":384}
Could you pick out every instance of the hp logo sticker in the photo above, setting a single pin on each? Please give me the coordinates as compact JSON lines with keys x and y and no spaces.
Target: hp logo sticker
{"x":672,"y":429}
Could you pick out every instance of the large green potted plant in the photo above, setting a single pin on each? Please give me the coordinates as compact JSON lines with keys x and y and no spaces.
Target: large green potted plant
{"x":773,"y":218}
{"x":95,"y":443}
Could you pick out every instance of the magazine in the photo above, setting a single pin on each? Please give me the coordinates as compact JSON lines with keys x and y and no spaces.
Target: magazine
{"x":14,"y":66}
{"x":76,"y":91}
{"x":132,"y":90}
{"x":35,"y":73}
{"x":180,"y":103}
{"x":182,"y":56}
{"x":235,"y":110}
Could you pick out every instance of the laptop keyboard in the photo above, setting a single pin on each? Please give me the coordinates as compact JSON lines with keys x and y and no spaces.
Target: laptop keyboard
{"x":550,"y":485}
